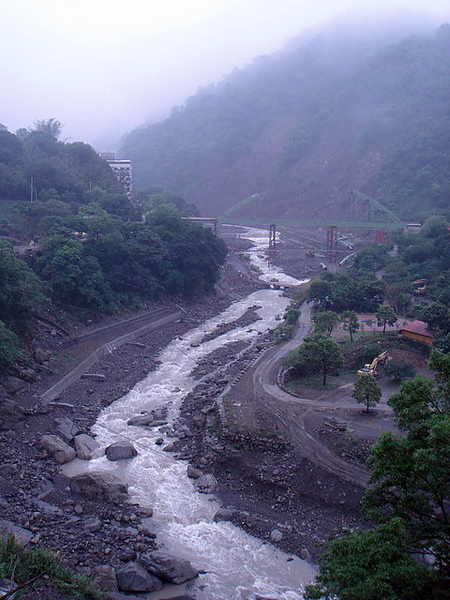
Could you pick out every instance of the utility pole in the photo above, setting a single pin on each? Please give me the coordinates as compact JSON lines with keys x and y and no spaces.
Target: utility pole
{"x":272,"y":239}
{"x":332,"y":242}
{"x":31,"y":189}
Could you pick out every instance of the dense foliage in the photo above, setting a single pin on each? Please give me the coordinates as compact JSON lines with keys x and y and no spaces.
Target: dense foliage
{"x":317,"y":354}
{"x":407,"y":501}
{"x":91,"y":249}
{"x":410,"y":276}
{"x":304,"y":123}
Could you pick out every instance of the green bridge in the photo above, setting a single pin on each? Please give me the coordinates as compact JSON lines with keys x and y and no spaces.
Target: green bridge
{"x":377,"y":216}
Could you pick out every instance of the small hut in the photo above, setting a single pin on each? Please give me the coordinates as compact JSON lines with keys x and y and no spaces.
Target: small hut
{"x":418,"y":331}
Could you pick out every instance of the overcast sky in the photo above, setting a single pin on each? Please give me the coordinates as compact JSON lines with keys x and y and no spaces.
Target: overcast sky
{"x":104,"y":67}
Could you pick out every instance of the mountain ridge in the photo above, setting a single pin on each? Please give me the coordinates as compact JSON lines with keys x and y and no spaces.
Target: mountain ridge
{"x":305,"y":126}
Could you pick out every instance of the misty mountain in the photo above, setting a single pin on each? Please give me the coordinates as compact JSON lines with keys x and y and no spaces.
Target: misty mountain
{"x":305,"y":126}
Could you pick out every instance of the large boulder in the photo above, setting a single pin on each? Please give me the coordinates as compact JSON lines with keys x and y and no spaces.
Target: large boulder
{"x":23,"y":536}
{"x":206,"y":484}
{"x":194,"y":473}
{"x":105,"y":577}
{"x":120,"y":451}
{"x":168,"y":568}
{"x":58,"y":448}
{"x":65,"y":428}
{"x":224,"y":514}
{"x":132,"y":577}
{"x":98,"y":484}
{"x":11,"y":411}
{"x":141,"y":420}
{"x":13,"y":384}
{"x":85,"y":446}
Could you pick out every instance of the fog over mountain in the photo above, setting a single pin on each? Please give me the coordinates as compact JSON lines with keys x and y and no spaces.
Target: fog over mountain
{"x":102,"y":68}
{"x":345,"y":109}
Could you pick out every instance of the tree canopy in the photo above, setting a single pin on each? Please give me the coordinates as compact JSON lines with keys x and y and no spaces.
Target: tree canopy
{"x":93,"y":250}
{"x":317,"y":354}
{"x":407,"y":502}
{"x":367,"y":391}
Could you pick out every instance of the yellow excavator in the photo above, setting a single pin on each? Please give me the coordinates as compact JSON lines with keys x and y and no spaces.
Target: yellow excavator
{"x":420,"y":286}
{"x":371,"y":368}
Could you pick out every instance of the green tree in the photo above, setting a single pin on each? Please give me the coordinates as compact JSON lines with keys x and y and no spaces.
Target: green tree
{"x":325,"y":321}
{"x":20,"y":291}
{"x":408,"y":501}
{"x":318,"y":353}
{"x":350,"y":322}
{"x":320,"y":292}
{"x":75,"y":278}
{"x":385,"y":316}
{"x":411,"y":474}
{"x":367,"y":391}
{"x":50,"y":127}
{"x":400,"y":370}
{"x":373,"y":564}
{"x":437,"y":316}
{"x":9,"y":347}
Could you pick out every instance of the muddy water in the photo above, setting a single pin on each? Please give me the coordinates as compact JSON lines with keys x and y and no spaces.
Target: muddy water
{"x":236,"y":566}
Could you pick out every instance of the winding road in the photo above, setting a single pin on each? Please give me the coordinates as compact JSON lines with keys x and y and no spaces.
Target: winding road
{"x":261,"y":382}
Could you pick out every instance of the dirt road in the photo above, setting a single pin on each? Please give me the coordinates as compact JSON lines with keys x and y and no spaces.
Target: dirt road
{"x":261,"y":383}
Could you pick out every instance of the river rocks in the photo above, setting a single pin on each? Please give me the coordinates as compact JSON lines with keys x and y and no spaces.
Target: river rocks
{"x":276,"y":535}
{"x":105,"y":577}
{"x":65,"y":428}
{"x":13,"y":384}
{"x":57,"y":448}
{"x":169,"y":568}
{"x":199,"y":419}
{"x":92,"y":524}
{"x":128,"y":555}
{"x":41,"y":356}
{"x":194,"y":473}
{"x":11,"y":411}
{"x":85,"y":446}
{"x":141,"y":420}
{"x":120,"y":451}
{"x":206,"y":484}
{"x":96,"y":484}
{"x":23,"y":536}
{"x":224,"y":514}
{"x":134,"y":578}
{"x":306,"y":555}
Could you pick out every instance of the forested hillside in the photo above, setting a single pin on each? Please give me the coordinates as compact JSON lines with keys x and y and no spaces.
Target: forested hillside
{"x":70,"y":238}
{"x":306,"y":125}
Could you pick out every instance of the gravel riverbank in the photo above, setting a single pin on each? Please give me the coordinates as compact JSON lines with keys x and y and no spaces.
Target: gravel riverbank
{"x":266,"y":487}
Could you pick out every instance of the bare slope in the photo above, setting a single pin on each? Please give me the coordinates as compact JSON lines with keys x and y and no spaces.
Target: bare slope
{"x":307,"y":125}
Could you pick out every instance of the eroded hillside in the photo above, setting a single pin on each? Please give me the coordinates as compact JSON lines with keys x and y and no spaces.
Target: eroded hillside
{"x":305,"y":126}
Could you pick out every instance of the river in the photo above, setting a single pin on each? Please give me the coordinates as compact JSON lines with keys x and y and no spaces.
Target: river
{"x":234,"y":565}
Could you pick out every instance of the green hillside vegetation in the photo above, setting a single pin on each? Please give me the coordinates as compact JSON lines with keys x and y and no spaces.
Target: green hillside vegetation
{"x":404,"y":551}
{"x":92,"y":251}
{"x":414,"y":280}
{"x":306,"y":125}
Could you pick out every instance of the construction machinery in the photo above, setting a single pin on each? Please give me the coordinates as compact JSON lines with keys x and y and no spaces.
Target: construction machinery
{"x":420,"y":286}
{"x":371,"y":368}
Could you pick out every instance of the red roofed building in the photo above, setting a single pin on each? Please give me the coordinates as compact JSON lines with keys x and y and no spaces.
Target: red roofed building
{"x":418,"y":331}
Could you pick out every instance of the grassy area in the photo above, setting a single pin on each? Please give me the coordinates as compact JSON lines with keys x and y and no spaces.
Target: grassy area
{"x":33,"y":568}
{"x":365,"y":347}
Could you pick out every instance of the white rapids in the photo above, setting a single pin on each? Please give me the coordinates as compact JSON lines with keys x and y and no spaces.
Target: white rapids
{"x":234,"y":565}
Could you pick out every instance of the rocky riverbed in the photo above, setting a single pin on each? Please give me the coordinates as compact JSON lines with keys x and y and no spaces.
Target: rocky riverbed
{"x":265,"y":487}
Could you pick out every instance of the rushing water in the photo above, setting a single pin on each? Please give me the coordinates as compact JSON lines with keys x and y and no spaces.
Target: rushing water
{"x":237,"y":566}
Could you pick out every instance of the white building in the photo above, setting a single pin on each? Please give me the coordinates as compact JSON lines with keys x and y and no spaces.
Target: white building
{"x":122,"y":169}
